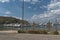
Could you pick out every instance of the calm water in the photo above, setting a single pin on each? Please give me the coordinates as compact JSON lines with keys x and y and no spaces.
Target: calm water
{"x":27,"y":28}
{"x":40,"y":28}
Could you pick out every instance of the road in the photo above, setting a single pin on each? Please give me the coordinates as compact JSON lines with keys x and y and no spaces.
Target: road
{"x":12,"y":36}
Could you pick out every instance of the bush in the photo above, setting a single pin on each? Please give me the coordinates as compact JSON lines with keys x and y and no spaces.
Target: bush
{"x":43,"y":32}
{"x":56,"y":32}
{"x":50,"y":33}
{"x":21,"y":31}
{"x":37,"y":32}
{"x":33,"y":32}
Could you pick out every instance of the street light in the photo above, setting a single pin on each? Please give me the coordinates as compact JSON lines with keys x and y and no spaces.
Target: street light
{"x":22,"y":9}
{"x":22,"y":14}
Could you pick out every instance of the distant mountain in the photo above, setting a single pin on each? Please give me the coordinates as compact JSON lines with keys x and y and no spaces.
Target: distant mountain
{"x":7,"y":20}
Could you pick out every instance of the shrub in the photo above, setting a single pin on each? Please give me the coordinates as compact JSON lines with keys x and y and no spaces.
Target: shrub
{"x":43,"y":32}
{"x":37,"y":32}
{"x":56,"y":32}
{"x":21,"y":31}
{"x":50,"y":33}
{"x":33,"y":32}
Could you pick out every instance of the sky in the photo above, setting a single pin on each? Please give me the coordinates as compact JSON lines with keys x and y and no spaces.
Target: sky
{"x":38,"y":11}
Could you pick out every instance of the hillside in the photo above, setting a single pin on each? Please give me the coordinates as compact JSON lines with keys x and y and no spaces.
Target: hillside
{"x":6,"y":20}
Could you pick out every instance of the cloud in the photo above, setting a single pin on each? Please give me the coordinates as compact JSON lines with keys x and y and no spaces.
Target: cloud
{"x":29,"y":7}
{"x":54,"y":5}
{"x":7,"y":12}
{"x":31,"y":1}
{"x":17,"y":17}
{"x":34,"y":1}
{"x":26,"y":0}
{"x":3,"y":1}
{"x":52,"y":14}
{"x":54,"y":1}
{"x":5,"y":15}
{"x":13,"y":17}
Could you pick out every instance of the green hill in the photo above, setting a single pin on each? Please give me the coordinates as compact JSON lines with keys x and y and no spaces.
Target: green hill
{"x":7,"y":20}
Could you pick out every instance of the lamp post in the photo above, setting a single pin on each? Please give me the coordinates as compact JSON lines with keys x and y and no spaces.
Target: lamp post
{"x":22,"y":14}
{"x":22,"y":9}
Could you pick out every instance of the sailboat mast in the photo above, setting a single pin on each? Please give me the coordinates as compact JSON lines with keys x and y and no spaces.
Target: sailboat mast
{"x":56,"y":25}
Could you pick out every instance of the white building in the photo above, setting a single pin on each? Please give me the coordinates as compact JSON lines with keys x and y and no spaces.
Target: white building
{"x":16,"y":24}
